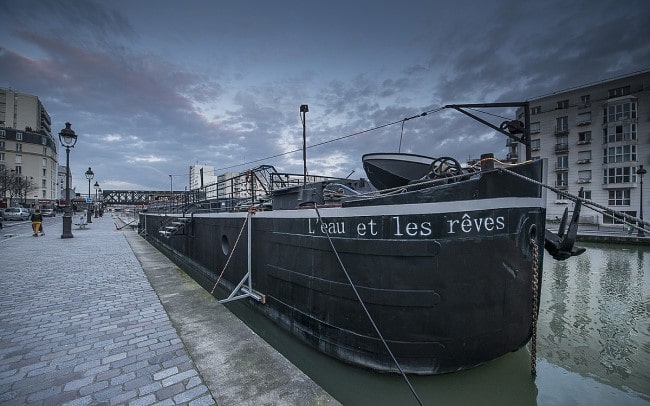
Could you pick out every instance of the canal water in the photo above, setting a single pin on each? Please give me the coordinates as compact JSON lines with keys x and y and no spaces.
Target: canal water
{"x":593,"y":345}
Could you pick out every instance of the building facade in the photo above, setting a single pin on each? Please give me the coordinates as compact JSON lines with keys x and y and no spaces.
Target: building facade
{"x":28,"y":152}
{"x":595,"y":137}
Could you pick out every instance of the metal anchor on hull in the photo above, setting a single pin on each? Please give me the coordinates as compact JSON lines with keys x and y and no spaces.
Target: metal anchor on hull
{"x":561,"y":245}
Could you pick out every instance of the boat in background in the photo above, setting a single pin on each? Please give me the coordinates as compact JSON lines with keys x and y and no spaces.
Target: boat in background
{"x":391,"y":170}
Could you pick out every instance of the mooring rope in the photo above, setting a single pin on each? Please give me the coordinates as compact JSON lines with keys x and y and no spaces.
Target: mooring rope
{"x":631,"y":220}
{"x":231,"y":253}
{"x":535,"y":307}
{"x":365,"y":309}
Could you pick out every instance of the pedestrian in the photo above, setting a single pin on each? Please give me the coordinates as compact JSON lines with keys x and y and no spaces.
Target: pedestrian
{"x":37,"y":222}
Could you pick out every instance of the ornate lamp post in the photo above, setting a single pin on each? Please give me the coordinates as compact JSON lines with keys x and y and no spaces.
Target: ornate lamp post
{"x":67,"y":138}
{"x":641,"y":171}
{"x":89,"y":175}
{"x":96,"y":185}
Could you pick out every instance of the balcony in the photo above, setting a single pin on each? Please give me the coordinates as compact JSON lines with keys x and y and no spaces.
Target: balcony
{"x":583,"y":123}
{"x":562,"y":185}
{"x":561,"y":168}
{"x":562,"y":130}
{"x":561,"y":148}
{"x":583,"y":161}
{"x":584,"y":142}
{"x":584,"y":180}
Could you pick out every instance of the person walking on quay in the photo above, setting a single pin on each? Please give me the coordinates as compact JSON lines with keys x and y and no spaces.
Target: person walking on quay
{"x":37,"y":222}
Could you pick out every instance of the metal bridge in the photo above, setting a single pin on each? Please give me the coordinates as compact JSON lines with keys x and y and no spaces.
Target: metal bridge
{"x":140,"y":197}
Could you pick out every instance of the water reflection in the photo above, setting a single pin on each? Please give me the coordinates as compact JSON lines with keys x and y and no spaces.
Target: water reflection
{"x":593,"y":345}
{"x":595,"y":318}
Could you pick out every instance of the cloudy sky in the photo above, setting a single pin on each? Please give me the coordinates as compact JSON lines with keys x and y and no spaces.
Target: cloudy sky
{"x":152,"y":87}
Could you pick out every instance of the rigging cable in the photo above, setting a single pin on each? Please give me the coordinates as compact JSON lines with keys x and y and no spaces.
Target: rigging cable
{"x":363,"y":305}
{"x":332,"y":140}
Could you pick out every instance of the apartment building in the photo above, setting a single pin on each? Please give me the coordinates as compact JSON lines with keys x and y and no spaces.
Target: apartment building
{"x":595,"y":137}
{"x":28,"y":153}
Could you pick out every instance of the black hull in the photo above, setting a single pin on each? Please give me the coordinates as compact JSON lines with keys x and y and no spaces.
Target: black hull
{"x":447,"y":280}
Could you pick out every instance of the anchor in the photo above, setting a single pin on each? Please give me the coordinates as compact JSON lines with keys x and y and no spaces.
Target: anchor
{"x":561,"y":245}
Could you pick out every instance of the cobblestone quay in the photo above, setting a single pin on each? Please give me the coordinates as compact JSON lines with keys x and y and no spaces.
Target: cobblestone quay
{"x":80,"y":324}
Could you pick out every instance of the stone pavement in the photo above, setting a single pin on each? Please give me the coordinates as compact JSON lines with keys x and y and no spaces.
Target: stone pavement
{"x":80,"y":324}
{"x":105,"y":319}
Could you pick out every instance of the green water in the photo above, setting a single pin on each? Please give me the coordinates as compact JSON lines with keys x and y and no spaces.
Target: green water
{"x":593,"y":345}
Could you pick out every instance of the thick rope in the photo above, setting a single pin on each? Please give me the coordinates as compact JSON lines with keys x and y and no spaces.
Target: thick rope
{"x":365,"y":309}
{"x":535,"y":307}
{"x":631,"y":220}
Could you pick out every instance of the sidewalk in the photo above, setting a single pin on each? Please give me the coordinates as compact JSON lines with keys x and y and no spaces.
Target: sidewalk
{"x":81,"y":324}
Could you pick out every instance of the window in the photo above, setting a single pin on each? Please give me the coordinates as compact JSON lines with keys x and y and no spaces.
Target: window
{"x":2,"y":156}
{"x":619,"y":91}
{"x":584,"y":137}
{"x":19,"y":147}
{"x":562,"y":162}
{"x":621,"y":111}
{"x":562,"y":179}
{"x":43,"y":183}
{"x":19,"y":159}
{"x":2,"y":145}
{"x":562,"y":141}
{"x":19,"y":136}
{"x":624,"y":153}
{"x":534,"y":145}
{"x":44,"y":140}
{"x":584,"y":118}
{"x":619,"y":175}
{"x":44,"y":150}
{"x":584,"y":157}
{"x":585,"y":194}
{"x":620,"y":197}
{"x":536,"y":110}
{"x":584,"y":176}
{"x":2,"y":133}
{"x":585,"y":101}
{"x":563,"y":104}
{"x":622,"y":132}
{"x":607,"y":219}
{"x":18,"y":169}
{"x":562,"y":124}
{"x":534,"y":128}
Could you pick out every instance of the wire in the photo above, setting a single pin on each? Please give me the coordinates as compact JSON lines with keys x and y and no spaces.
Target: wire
{"x":332,"y":140}
{"x":363,"y":305}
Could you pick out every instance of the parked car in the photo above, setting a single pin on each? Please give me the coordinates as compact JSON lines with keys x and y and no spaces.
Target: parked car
{"x":48,"y":213}
{"x":17,"y":213}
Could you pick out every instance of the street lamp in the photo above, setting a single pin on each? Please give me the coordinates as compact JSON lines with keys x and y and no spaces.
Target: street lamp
{"x":96,"y":185}
{"x":641,"y":171}
{"x":67,"y":138}
{"x":304,"y":109}
{"x":89,"y":176}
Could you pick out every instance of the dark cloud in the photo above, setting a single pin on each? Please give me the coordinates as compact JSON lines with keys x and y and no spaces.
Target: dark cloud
{"x":151,"y":93}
